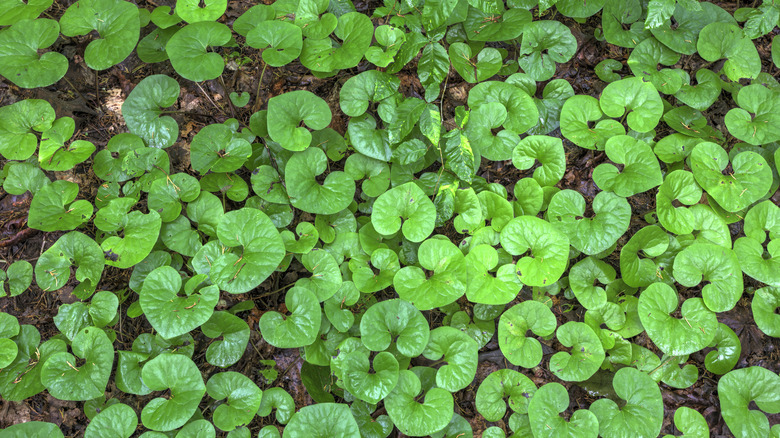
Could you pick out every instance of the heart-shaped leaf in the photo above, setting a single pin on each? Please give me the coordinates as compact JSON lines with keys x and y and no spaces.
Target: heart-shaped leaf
{"x":715,"y":264}
{"x":643,"y":412}
{"x":69,"y":379}
{"x":515,"y":323}
{"x":170,"y":313}
{"x":116,"y":22}
{"x":740,"y":387}
{"x":676,"y":337}
{"x":306,"y":193}
{"x":549,"y":250}
{"x":394,"y":321}
{"x":486,"y":64}
{"x":415,"y":418}
{"x":191,"y":11}
{"x":720,"y":40}
{"x":188,"y":50}
{"x":544,"y":413}
{"x":143,"y":108}
{"x":280,"y":41}
{"x":231,"y":334}
{"x":20,"y":62}
{"x":445,"y":285}
{"x":640,"y":171}
{"x":545,"y":43}
{"x":323,"y":420}
{"x":288,"y":110}
{"x":586,"y":356}
{"x":612,"y":215}
{"x":295,"y":330}
{"x":180,"y":375}
{"x":636,"y":97}
{"x":17,"y":123}
{"x":242,"y":396}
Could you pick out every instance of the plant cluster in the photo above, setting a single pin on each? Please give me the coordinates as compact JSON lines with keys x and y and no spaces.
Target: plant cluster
{"x":417,"y":260}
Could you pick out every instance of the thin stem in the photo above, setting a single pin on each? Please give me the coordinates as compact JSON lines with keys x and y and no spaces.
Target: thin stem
{"x":258,"y":101}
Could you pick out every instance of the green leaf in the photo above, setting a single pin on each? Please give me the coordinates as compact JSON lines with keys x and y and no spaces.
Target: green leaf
{"x":512,"y":328}
{"x":545,"y":43}
{"x":389,"y":37}
{"x":306,"y":193}
{"x":22,"y":378}
{"x":679,"y":186}
{"x":67,"y":381}
{"x":690,"y":422}
{"x":369,"y":86}
{"x":756,"y":121}
{"x":459,"y":351}
{"x":643,"y":411}
{"x":19,"y":277}
{"x":740,"y":387}
{"x":116,"y":22}
{"x":323,"y":420}
{"x":55,"y":155}
{"x":17,"y":123}
{"x":242,"y":396}
{"x":586,"y":356}
{"x":548,"y":151}
{"x":117,"y":420}
{"x":459,"y":155}
{"x":715,"y":264}
{"x":240,"y":270}
{"x":505,"y":383}
{"x":645,"y":61}
{"x":406,"y":203}
{"x":53,"y":207}
{"x":192,"y":12}
{"x":367,"y":386}
{"x":218,"y":148}
{"x":188,"y":52}
{"x":14,"y":11}
{"x":170,"y":313}
{"x":52,"y":271}
{"x":354,"y":29}
{"x":675,"y":337}
{"x":486,"y":64}
{"x":683,"y":36}
{"x":140,"y":232}
{"x":637,"y":98}
{"x":231,"y":336}
{"x":143,"y":108}
{"x":288,"y":110}
{"x":414,"y":418}
{"x":756,"y":260}
{"x":280,"y":41}
{"x":549,"y":250}
{"x":544,"y":409}
{"x":596,"y":234}
{"x":640,"y":173}
{"x":32,"y":429}
{"x":764,"y":307}
{"x":481,"y":285}
{"x":728,"y":350}
{"x":584,"y":278}
{"x":277,"y":398}
{"x":747,"y":181}
{"x":576,"y":114}
{"x":444,"y":286}
{"x":20,"y":62}
{"x":394,"y":321}
{"x":295,"y":330}
{"x":179,"y":374}
{"x":432,"y":68}
{"x":726,"y":40}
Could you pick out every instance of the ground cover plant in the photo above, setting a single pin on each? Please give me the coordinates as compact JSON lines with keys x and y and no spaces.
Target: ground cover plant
{"x":338,"y":218}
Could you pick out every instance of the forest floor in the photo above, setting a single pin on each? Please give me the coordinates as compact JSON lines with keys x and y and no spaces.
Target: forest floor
{"x":94,"y":102}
